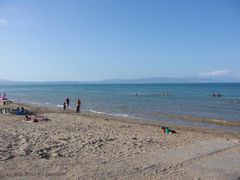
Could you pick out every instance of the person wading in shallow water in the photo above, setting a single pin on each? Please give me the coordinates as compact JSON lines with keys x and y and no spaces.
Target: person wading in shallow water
{"x":68,"y":102}
{"x":64,"y":105}
{"x":78,"y":105}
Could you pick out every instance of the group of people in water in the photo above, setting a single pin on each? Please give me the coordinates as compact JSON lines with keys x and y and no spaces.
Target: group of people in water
{"x":66,"y":104}
{"x":217,"y":95}
{"x":166,"y":94}
{"x":154,"y":94}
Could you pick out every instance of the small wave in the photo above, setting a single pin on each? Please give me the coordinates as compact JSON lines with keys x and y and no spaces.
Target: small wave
{"x":110,"y":114}
{"x":204,"y":120}
{"x":59,"y":105}
{"x":97,"y":112}
{"x":120,"y":115}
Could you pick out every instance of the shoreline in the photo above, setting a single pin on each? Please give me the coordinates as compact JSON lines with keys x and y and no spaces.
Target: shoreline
{"x":219,"y":130}
{"x":85,"y":145}
{"x":231,"y":127}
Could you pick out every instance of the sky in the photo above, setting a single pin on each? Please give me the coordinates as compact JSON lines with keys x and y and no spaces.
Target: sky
{"x":88,"y":40}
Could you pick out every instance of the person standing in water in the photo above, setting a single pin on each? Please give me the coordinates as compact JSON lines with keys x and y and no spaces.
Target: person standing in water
{"x":78,"y":105}
{"x":68,"y":102}
{"x":64,"y":105}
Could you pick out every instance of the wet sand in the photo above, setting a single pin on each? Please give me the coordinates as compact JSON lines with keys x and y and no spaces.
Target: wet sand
{"x":90,"y":146}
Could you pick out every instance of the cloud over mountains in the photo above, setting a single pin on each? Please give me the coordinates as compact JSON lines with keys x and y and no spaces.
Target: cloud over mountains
{"x":216,"y":73}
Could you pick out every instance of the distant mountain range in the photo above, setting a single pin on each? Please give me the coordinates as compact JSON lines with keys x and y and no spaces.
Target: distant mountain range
{"x":158,"y":80}
{"x":133,"y":81}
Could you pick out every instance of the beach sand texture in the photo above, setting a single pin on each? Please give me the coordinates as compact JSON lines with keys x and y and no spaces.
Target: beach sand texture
{"x":89,"y":146}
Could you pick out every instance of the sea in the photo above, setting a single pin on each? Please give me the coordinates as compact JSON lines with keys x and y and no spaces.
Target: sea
{"x":192,"y":104}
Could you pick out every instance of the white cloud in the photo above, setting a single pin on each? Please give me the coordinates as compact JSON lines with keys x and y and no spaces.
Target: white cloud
{"x":3,"y":22}
{"x":217,"y":73}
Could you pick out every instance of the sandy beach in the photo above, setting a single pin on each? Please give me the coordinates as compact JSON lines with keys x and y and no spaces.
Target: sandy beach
{"x":84,"y":145}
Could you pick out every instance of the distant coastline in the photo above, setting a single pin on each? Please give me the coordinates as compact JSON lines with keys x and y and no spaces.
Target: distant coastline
{"x":152,"y":80}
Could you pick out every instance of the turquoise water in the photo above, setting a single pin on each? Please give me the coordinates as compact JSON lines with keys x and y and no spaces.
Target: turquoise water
{"x":148,"y":101}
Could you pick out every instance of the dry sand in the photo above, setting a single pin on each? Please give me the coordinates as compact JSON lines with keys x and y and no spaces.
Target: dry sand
{"x":90,"y":146}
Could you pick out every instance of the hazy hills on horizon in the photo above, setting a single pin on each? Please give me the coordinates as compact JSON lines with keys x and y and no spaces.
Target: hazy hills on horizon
{"x":133,"y":81}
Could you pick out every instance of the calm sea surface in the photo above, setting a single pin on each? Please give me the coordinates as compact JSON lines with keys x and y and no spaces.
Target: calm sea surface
{"x":157,"y":102}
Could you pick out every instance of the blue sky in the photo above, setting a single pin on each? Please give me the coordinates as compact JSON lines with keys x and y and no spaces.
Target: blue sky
{"x":93,"y":40}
